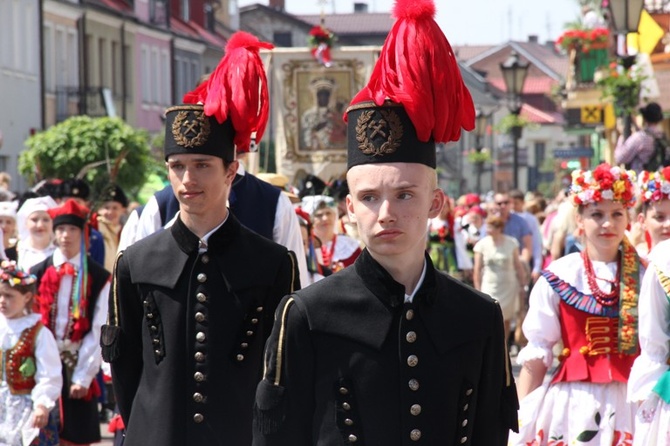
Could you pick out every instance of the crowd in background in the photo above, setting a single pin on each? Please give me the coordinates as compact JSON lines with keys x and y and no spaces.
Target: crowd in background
{"x":499,"y":243}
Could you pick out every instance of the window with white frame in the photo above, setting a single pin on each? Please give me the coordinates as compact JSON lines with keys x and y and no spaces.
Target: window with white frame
{"x":72,"y":58}
{"x":155,"y":84}
{"x":146,"y":76}
{"x":165,"y":76}
{"x":185,"y":10}
{"x":49,"y":62}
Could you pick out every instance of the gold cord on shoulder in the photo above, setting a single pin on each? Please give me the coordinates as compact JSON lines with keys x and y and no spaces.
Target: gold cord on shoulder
{"x":115,"y":298}
{"x":280,"y":341}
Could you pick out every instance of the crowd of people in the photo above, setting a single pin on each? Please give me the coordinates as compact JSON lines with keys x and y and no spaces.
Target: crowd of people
{"x":376,"y":310}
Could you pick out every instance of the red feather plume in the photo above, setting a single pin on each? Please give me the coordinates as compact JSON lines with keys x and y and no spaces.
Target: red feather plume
{"x":417,"y":68}
{"x":237,"y":89}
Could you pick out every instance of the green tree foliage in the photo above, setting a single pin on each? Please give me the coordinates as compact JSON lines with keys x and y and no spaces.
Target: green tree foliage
{"x":100,"y":150}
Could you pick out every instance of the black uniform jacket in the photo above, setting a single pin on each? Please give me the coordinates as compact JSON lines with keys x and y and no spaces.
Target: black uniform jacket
{"x":348,"y":362}
{"x":186,"y":333}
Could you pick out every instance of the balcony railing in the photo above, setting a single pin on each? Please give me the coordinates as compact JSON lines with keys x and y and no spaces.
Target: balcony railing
{"x":73,"y":101}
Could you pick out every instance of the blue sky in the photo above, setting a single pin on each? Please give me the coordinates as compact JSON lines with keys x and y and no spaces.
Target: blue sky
{"x":469,"y":22}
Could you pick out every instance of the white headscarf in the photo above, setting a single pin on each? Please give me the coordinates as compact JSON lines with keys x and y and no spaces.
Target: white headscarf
{"x":29,"y":206}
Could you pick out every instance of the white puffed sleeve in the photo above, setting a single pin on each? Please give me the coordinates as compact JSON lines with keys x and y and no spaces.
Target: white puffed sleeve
{"x":542,"y":325}
{"x":654,"y":332}
{"x":48,"y":377}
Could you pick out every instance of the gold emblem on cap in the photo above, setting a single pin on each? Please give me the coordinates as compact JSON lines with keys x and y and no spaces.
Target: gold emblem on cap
{"x":190,"y":132}
{"x":388,"y":127}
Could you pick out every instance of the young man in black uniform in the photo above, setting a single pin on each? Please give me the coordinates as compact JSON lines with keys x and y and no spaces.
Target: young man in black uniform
{"x":390,"y":351}
{"x":191,"y":306}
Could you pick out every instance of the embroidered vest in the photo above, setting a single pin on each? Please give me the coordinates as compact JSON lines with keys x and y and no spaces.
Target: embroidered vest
{"x":590,"y":348}
{"x":22,"y":356}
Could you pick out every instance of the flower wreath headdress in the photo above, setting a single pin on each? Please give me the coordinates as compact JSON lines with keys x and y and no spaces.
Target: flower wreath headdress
{"x":13,"y":275}
{"x":603,"y":183}
{"x":655,"y":186}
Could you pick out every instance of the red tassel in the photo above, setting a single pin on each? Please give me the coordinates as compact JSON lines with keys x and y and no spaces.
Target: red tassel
{"x":418,"y":69}
{"x":237,"y":89}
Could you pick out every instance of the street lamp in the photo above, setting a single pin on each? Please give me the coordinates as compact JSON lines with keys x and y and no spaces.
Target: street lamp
{"x":625,"y":19}
{"x":514,"y":73}
{"x":626,"y":15}
{"x":481,"y":123}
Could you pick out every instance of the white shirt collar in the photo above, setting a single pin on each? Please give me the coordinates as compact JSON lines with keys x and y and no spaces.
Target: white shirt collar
{"x":59,"y":258}
{"x":205,"y":238}
{"x":410,"y":297}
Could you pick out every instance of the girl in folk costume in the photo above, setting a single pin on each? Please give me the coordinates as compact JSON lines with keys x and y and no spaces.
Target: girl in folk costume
{"x":31,"y":370}
{"x":336,"y":251}
{"x":654,"y":216}
{"x":72,"y":300}
{"x":588,"y":301}
{"x":35,"y":230}
{"x":649,"y":382}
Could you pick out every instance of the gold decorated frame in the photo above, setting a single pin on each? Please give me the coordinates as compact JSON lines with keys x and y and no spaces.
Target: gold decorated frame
{"x":349,"y":76}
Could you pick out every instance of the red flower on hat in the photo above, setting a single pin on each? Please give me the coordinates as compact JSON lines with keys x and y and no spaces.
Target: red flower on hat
{"x":666,"y":173}
{"x":603,"y":175}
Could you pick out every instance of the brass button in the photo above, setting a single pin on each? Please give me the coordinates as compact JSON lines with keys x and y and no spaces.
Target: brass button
{"x":155,"y":341}
{"x":464,"y":423}
{"x":202,"y":277}
{"x":199,"y":356}
{"x":197,"y":397}
{"x":244,"y":345}
{"x":146,"y":303}
{"x":154,"y":328}
{"x":200,"y":336}
{"x":239,"y":358}
{"x":415,"y":409}
{"x":415,"y":435}
{"x":412,"y":360}
{"x":199,"y":317}
{"x":204,"y":259}
{"x":414,"y":384}
{"x":468,"y":392}
{"x":411,"y":336}
{"x":199,"y":376}
{"x":254,"y":321}
{"x":465,"y":408}
{"x":353,"y":438}
{"x":259,"y":309}
{"x":344,"y":390}
{"x":409,"y":315}
{"x":348,"y":421}
{"x":198,"y":418}
{"x":346,"y":406}
{"x":150,"y":315}
{"x":250,"y":333}
{"x":464,"y":439}
{"x":201,"y":297}
{"x":158,"y":352}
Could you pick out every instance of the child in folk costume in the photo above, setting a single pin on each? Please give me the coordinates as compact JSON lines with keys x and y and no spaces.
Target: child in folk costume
{"x":31,"y":370}
{"x":588,"y":301}
{"x":35,"y":229}
{"x":336,"y":251}
{"x":649,"y":383}
{"x":654,"y":216}
{"x":72,"y":299}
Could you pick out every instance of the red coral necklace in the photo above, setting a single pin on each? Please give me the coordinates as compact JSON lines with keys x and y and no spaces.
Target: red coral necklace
{"x":606,"y":299}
